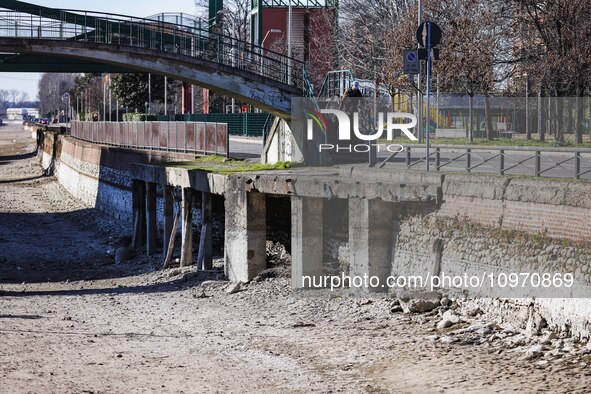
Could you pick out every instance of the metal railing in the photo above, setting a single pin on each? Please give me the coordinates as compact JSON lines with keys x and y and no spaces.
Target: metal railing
{"x":161,"y":35}
{"x":186,"y":137}
{"x":534,"y":161}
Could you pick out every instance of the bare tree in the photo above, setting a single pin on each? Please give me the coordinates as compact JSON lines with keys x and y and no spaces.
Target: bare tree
{"x":51,"y":88}
{"x":555,"y":51}
{"x":13,"y":95}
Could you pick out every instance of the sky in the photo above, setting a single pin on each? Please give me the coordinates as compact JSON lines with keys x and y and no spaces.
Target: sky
{"x":28,"y":81}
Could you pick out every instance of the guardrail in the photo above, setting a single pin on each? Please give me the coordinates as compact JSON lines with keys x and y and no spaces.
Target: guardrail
{"x":188,"y":137}
{"x":534,"y":161}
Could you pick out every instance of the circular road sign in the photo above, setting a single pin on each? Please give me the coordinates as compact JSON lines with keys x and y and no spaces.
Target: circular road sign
{"x":411,"y":56}
{"x":422,"y":33}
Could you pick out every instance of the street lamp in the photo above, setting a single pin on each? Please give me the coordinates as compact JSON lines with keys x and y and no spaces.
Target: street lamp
{"x":267,"y":35}
{"x":263,"y":44}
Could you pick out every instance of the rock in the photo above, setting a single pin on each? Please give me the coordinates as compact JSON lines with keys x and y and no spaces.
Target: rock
{"x":174,"y":272}
{"x":447,"y":339}
{"x":448,"y":320}
{"x":420,"y":305}
{"x":479,"y":328}
{"x":123,"y":254}
{"x":547,"y":338}
{"x":515,"y":341}
{"x":534,"y":324}
{"x":445,"y":323}
{"x":534,"y":352}
{"x":396,"y":309}
{"x":449,"y":315}
{"x":234,"y":288}
{"x":445,"y":302}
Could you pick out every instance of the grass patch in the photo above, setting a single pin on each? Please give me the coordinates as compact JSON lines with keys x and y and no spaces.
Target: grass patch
{"x":222,"y":165}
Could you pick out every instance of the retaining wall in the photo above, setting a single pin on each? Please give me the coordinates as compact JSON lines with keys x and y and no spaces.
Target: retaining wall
{"x":100,"y":176}
{"x":511,"y":225}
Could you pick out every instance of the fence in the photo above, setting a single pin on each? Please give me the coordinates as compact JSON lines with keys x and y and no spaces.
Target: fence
{"x":533,"y":161}
{"x":187,"y":137}
{"x":244,"y":124}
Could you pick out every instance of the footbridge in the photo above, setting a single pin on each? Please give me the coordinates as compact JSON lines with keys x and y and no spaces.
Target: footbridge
{"x":42,"y":39}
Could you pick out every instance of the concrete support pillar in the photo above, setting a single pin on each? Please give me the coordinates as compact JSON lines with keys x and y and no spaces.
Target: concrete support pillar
{"x":373,"y":225}
{"x":168,"y":216}
{"x":151,"y":218}
{"x":205,"y":258}
{"x":246,"y":235}
{"x":187,"y":226}
{"x":306,"y":239}
{"x":138,"y":193}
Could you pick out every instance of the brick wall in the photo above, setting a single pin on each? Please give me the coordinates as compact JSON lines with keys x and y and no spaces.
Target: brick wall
{"x":558,"y":209}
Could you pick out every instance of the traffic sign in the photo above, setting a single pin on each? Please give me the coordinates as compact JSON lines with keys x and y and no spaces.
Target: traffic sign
{"x":422,"y":33}
{"x":66,"y":96}
{"x":411,"y":62}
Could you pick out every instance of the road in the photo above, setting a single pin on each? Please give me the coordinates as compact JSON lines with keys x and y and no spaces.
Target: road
{"x":486,"y":160}
{"x":246,"y":147}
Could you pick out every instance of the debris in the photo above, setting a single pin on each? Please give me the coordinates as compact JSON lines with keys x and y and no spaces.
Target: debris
{"x":234,"y":288}
{"x":420,"y":305}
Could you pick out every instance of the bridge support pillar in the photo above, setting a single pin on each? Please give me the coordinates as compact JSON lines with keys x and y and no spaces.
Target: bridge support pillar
{"x":151,"y":229}
{"x":245,"y":234}
{"x":139,"y":212}
{"x":187,"y":226}
{"x":306,"y":239}
{"x":168,"y":216}
{"x":373,"y":228}
{"x":187,"y":98}
{"x":204,"y":257}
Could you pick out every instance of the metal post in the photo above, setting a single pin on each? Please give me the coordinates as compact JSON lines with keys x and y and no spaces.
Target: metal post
{"x":289,"y":37}
{"x":527,"y":131}
{"x":373,"y":152}
{"x":539,"y":113}
{"x":149,"y":94}
{"x":419,"y":81}
{"x":438,"y":158}
{"x":538,"y":164}
{"x":110,"y":100}
{"x":192,"y":98}
{"x":502,"y":162}
{"x":577,"y":165}
{"x":104,"y":99}
{"x":468,"y":159}
{"x":428,"y":91}
{"x":165,"y":95}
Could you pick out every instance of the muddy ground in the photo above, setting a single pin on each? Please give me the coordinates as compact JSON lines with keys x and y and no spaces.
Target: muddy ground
{"x":73,"y":321}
